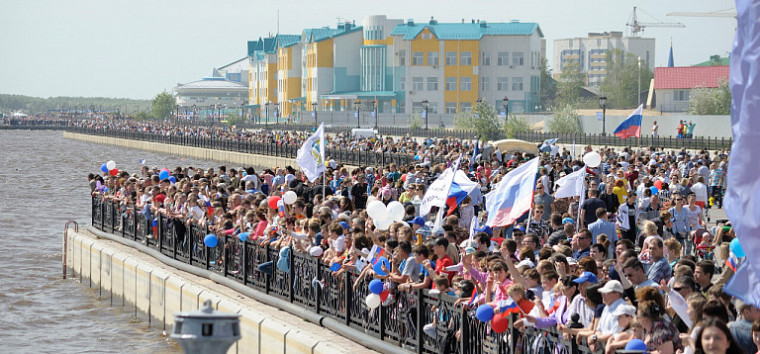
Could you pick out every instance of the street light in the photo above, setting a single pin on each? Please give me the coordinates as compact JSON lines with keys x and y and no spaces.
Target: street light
{"x":638,"y":93}
{"x":374,"y":112}
{"x":357,"y":104}
{"x":276,"y":112}
{"x":603,"y":106}
{"x":314,"y":112}
{"x":425,"y":105}
{"x":505,"y":103}
{"x":266,"y":122}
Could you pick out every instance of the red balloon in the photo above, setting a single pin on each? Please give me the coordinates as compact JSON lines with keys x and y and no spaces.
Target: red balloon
{"x":384,"y":294}
{"x":113,"y":172}
{"x":500,"y":323}
{"x":272,"y":201}
{"x":658,"y":184}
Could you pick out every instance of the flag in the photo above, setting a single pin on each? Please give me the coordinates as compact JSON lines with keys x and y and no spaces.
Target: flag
{"x":311,"y":155}
{"x":507,"y":306}
{"x":461,"y":187}
{"x":571,"y":185}
{"x":599,"y":116}
{"x":141,"y":161}
{"x":743,"y":194}
{"x":732,"y":262}
{"x":474,"y":225}
{"x":473,"y":297}
{"x":209,"y":207}
{"x":631,"y":126}
{"x":678,"y":303}
{"x":513,"y":196}
{"x":438,"y":192}
{"x":670,"y":57}
{"x":547,"y":145}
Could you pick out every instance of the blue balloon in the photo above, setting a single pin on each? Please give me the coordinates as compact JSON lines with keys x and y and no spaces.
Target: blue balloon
{"x":210,"y":240}
{"x":416,"y":157}
{"x":244,"y":236}
{"x":484,"y":313}
{"x":736,"y":248}
{"x":163,"y":175}
{"x":654,"y":190}
{"x":172,"y":179}
{"x":376,"y":286}
{"x":636,"y":344}
{"x":377,"y":267}
{"x":104,"y":168}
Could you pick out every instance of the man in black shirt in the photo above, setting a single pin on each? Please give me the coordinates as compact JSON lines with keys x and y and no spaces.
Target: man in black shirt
{"x":359,"y":192}
{"x":588,"y":209}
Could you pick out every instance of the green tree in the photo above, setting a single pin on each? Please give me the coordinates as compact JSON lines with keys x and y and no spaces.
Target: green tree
{"x":162,"y":105}
{"x":142,"y":115}
{"x":548,"y":85}
{"x":710,"y":101}
{"x":621,"y":85}
{"x":565,"y":120}
{"x":482,"y":118}
{"x":571,"y":83}
{"x":516,"y":125}
{"x":415,"y":121}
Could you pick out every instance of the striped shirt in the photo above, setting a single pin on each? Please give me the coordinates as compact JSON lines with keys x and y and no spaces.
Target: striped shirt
{"x":716,"y":177}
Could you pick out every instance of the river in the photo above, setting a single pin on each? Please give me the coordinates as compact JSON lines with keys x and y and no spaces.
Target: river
{"x":43,"y":184}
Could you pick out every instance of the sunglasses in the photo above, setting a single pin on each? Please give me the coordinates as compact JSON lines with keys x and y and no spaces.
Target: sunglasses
{"x":679,"y":288}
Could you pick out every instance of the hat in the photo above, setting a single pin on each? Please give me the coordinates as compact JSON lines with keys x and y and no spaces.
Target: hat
{"x":469,"y":243}
{"x":470,"y":250}
{"x":586,"y":277}
{"x":612,"y":285}
{"x":526,"y":262}
{"x":486,"y":229}
{"x":519,"y":227}
{"x":568,"y":220}
{"x":316,"y":251}
{"x":418,"y":220}
{"x":344,"y":224}
{"x":629,"y":310}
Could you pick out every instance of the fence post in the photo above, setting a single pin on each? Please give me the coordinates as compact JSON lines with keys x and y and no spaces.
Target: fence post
{"x":420,"y":316}
{"x":290,"y":277}
{"x":466,"y":337}
{"x":348,"y":288}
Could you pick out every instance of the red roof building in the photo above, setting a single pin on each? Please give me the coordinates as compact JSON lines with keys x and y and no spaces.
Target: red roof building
{"x":672,"y":86}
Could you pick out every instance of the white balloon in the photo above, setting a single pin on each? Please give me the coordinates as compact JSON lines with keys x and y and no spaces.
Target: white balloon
{"x":396,"y":211}
{"x":289,"y":197}
{"x":376,"y":210}
{"x":110,"y":165}
{"x":592,"y":159}
{"x":373,"y":301}
{"x":383,"y":224}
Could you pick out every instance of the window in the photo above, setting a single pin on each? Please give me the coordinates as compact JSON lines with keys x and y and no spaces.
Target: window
{"x":451,"y":58}
{"x":484,"y":83}
{"x":451,"y":84}
{"x":517,"y":84}
{"x":485,"y":58}
{"x":401,"y":57}
{"x":466,"y":83}
{"x":417,"y":84}
{"x":465,"y":58}
{"x":432,"y":58}
{"x":502,"y":84}
{"x":402,"y":83}
{"x":401,"y":106}
{"x":432,"y":84}
{"x":517,"y":58}
{"x":681,"y":95}
{"x":450,"y":107}
{"x":427,"y":35}
{"x":417,"y":58}
{"x":502,"y":59}
{"x":465,"y":106}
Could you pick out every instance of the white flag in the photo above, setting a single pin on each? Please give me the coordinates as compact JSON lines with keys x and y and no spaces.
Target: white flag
{"x":311,"y":156}
{"x":438,"y":191}
{"x":570,"y":185}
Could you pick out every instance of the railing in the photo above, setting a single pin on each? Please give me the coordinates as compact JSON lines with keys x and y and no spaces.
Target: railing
{"x":670,"y":142}
{"x":400,"y":323}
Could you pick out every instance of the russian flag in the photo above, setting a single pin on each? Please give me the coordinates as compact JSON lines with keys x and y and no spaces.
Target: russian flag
{"x":513,"y":196}
{"x":631,"y":127}
{"x":732,"y":262}
{"x":473,"y":297}
{"x":508,"y":306}
{"x":209,"y":207}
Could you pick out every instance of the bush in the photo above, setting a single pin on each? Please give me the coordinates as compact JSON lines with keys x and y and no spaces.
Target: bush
{"x":710,"y":101}
{"x":516,"y":125}
{"x":565,"y":120}
{"x":482,"y":119}
{"x":415,"y":121}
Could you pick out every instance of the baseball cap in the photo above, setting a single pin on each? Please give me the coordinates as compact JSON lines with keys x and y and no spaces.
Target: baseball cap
{"x":612,"y":285}
{"x":586,"y":277}
{"x":629,"y":310}
{"x":486,"y":229}
{"x":568,"y":220}
{"x":418,"y":220}
{"x":344,"y":224}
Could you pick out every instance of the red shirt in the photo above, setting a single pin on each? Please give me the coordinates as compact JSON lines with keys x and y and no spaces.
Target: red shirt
{"x":443,"y":263}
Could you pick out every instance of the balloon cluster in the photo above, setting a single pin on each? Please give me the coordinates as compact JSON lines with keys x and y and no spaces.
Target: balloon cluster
{"x":110,"y":168}
{"x":499,"y":322}
{"x":377,"y":294}
{"x":383,"y":216}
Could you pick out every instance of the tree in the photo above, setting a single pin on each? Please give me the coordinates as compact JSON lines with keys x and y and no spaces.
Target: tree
{"x":621,"y":85}
{"x":516,"y":125}
{"x":571,"y":82}
{"x":415,"y":121}
{"x":482,"y":118}
{"x":162,"y":104}
{"x":565,"y":120}
{"x":548,"y":85}
{"x":711,"y":101}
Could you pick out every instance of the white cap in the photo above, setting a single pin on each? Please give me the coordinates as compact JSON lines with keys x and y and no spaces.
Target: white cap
{"x":629,"y":310}
{"x":316,"y":251}
{"x":612,"y":285}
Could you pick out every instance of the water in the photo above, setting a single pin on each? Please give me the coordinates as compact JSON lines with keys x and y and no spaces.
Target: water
{"x":43,"y":184}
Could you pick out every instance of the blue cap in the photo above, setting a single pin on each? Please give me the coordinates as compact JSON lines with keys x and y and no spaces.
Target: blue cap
{"x":586,"y":277}
{"x":486,"y":229}
{"x":344,"y":224}
{"x":520,"y":227}
{"x":418,"y":220}
{"x":636,"y":344}
{"x":568,"y":220}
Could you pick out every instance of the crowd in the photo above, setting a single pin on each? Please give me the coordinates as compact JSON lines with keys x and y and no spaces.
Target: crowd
{"x":633,"y":260}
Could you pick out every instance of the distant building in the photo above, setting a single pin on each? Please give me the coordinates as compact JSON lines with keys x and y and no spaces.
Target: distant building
{"x":236,"y":71}
{"x":591,"y":53}
{"x":715,"y":60}
{"x":213,"y":97}
{"x":672,"y":86}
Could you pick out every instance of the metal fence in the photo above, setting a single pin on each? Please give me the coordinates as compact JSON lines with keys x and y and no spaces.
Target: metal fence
{"x":670,"y":142}
{"x":312,"y":285}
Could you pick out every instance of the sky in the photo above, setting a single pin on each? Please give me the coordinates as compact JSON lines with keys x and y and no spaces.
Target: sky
{"x":138,"y":48}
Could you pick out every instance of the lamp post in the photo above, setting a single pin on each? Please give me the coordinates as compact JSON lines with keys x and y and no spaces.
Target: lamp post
{"x":276,"y":113}
{"x":603,"y":106}
{"x":314,"y":112}
{"x":266,"y":117}
{"x":638,"y":93}
{"x":425,"y":105}
{"x":505,"y":103}
{"x":357,"y":104}
{"x":374,"y":112}
{"x":194,"y":118}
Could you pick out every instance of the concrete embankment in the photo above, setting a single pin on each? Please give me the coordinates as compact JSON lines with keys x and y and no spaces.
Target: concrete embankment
{"x":155,"y":291}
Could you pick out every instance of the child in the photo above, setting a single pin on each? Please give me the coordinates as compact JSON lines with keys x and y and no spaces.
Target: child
{"x":756,"y":333}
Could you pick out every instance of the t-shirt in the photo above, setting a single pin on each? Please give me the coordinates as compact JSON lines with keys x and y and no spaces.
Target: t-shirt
{"x":441,"y":264}
{"x":589,"y":207}
{"x":338,"y":244}
{"x":412,"y":269}
{"x":693,"y":216}
{"x":715,"y":177}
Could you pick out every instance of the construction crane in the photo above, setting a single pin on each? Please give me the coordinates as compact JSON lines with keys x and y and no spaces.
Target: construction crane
{"x":719,"y":13}
{"x":637,"y":27}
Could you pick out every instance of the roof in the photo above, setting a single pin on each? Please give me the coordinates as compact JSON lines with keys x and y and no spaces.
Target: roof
{"x":212,"y":84}
{"x":472,"y":31}
{"x":712,"y":62}
{"x":689,"y":77}
{"x":287,"y":40}
{"x":350,"y":95}
{"x":237,"y":65}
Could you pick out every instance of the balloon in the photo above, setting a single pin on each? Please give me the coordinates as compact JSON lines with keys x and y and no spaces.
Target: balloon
{"x":636,"y":344}
{"x":172,"y":179}
{"x":499,"y":323}
{"x":658,"y":184}
{"x":378,"y":266}
{"x":396,"y":211}
{"x":373,"y":301}
{"x":376,"y":286}
{"x":592,"y":159}
{"x":113,"y":172}
{"x":383,"y":224}
{"x":736,"y":248}
{"x":416,"y":157}
{"x":376,"y":210}
{"x":272,"y":201}
{"x":210,"y":240}
{"x":484,"y":313}
{"x":164,"y":174}
{"x":384,"y":294}
{"x":110,"y":165}
{"x":244,"y":236}
{"x":289,"y":197}
{"x":654,"y":190}
{"x":104,"y":168}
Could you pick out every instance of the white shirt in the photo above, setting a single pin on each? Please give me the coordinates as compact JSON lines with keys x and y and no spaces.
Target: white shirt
{"x":608,"y":324}
{"x":693,"y":216}
{"x":700,"y":189}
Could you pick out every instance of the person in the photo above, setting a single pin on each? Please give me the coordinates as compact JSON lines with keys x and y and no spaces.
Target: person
{"x":716,"y":338}
{"x":690,"y":129}
{"x":654,"y":129}
{"x":627,"y":218}
{"x":590,"y":207}
{"x":612,"y":296}
{"x":741,"y":329}
{"x":603,"y":226}
{"x":581,"y":244}
{"x":680,"y":217}
{"x":545,"y":199}
{"x":625,"y":315}
{"x":717,"y":181}
{"x":680,"y":129}
{"x":703,"y":274}
{"x":700,"y":192}
{"x":660,"y":267}
{"x":661,"y":335}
